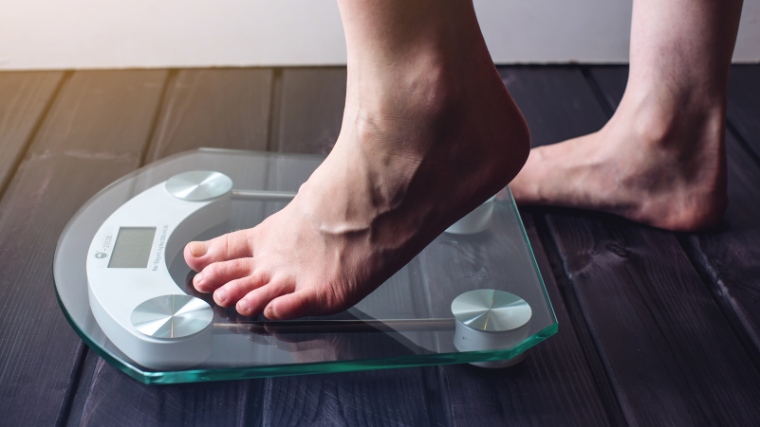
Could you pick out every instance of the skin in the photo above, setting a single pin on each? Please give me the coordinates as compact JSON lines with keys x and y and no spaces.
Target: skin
{"x":426,"y":137}
{"x":429,"y":132}
{"x":660,"y":160}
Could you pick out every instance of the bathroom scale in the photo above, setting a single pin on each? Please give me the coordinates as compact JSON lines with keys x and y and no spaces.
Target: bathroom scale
{"x":473,"y":295}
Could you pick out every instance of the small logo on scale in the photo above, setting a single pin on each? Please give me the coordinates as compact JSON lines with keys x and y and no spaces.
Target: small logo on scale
{"x":100,"y":255}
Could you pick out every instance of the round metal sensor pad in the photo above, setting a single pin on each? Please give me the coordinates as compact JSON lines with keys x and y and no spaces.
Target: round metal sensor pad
{"x":172,"y":316}
{"x":490,"y":310}
{"x":196,"y":186}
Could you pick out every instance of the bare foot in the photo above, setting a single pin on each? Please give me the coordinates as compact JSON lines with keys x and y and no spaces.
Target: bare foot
{"x":426,"y":137}
{"x":667,"y":170}
{"x":661,"y":159}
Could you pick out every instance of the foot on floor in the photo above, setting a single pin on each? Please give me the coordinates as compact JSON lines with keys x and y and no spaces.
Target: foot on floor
{"x":655,"y":163}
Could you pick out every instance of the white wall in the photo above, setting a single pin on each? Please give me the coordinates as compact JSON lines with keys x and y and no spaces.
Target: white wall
{"x":50,"y":34}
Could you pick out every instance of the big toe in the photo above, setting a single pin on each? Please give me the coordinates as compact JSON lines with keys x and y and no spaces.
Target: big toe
{"x":199,"y":255}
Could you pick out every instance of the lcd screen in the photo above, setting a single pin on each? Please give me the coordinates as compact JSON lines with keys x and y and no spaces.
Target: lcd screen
{"x":132,"y":247}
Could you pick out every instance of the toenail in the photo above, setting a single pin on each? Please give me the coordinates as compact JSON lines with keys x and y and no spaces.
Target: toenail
{"x":198,"y":249}
{"x":221,"y":296}
{"x":243,"y":307}
{"x":198,"y":280}
{"x":270,"y":314}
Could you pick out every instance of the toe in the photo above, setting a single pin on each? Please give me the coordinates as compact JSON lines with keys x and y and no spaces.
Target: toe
{"x":254,"y":302}
{"x":302,"y":303}
{"x":220,"y":273}
{"x":231,"y":292}
{"x":199,"y":255}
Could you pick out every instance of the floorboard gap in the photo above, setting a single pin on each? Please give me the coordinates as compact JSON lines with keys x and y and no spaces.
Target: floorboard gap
{"x":275,"y":101}
{"x":583,"y":332}
{"x":715,"y":286}
{"x":604,"y":103}
{"x":711,"y":278}
{"x":33,"y":134}
{"x":170,"y":77}
{"x":746,"y":146}
{"x":71,"y":392}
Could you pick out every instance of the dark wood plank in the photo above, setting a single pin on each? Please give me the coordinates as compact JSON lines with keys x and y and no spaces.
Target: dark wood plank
{"x":555,"y":101}
{"x":671,"y":354}
{"x":556,"y":384}
{"x":108,"y":397}
{"x":310,"y":109}
{"x":202,"y":108}
{"x":394,"y":397}
{"x":609,"y":82}
{"x":744,"y":104}
{"x":95,"y":132}
{"x":220,"y":108}
{"x":730,"y":253}
{"x":23,"y":98}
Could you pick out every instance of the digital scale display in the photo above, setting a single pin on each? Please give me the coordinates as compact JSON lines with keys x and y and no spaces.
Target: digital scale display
{"x":132,"y":247}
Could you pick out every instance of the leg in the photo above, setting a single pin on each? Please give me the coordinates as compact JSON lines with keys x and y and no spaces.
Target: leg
{"x":429,"y":132}
{"x":660,"y":160}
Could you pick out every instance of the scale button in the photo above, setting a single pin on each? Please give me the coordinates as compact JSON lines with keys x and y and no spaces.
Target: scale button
{"x":196,"y":186}
{"x":172,"y":316}
{"x":491,"y":320}
{"x":490,"y":310}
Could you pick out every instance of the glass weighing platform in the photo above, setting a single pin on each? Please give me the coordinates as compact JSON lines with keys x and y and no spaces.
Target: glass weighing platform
{"x":474,"y":295}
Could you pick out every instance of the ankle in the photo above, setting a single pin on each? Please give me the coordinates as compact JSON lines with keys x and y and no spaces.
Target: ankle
{"x":416,"y":90}
{"x":672,"y":123}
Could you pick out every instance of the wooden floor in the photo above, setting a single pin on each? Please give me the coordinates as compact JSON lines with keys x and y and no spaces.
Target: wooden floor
{"x":656,"y":328}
